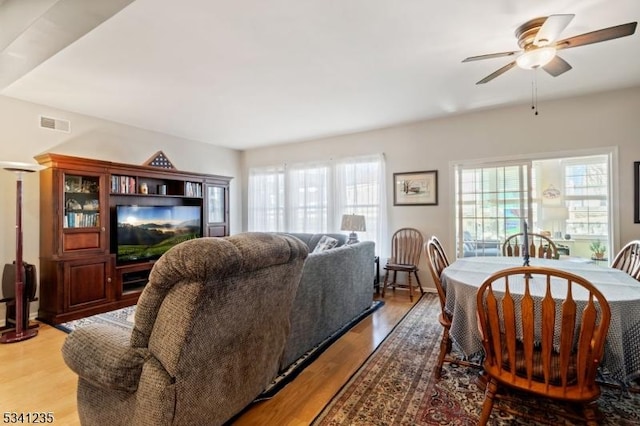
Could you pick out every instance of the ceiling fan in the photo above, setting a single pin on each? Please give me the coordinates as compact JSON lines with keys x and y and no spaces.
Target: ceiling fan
{"x":537,"y":41}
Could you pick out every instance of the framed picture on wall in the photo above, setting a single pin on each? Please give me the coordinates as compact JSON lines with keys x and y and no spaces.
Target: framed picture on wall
{"x":415,"y":188}
{"x":636,"y":192}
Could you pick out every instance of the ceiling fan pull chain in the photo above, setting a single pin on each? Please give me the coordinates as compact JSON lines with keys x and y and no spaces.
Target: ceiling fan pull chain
{"x":533,"y":105}
{"x":534,"y":92}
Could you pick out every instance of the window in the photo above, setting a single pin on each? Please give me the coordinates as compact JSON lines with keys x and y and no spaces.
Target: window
{"x":307,"y":188}
{"x":492,"y":202}
{"x":567,"y":199}
{"x":266,"y":199}
{"x":312,"y":197}
{"x":586,"y":196}
{"x":361,"y":189}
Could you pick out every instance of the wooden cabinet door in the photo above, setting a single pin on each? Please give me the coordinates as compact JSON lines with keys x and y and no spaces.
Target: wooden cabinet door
{"x":87,"y":282}
{"x":84,"y":213}
{"x":216,"y":210}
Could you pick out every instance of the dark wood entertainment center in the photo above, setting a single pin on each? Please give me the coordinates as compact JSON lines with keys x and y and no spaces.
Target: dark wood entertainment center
{"x":79,"y":275}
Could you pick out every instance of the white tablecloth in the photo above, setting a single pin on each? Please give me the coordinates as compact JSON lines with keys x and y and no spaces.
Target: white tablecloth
{"x":622,"y":349}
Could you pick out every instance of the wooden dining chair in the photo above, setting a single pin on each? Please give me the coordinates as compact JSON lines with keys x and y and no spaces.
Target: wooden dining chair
{"x":539,"y":246}
{"x":406,"y":248}
{"x":628,"y":259}
{"x":550,"y":346}
{"x":437,"y":262}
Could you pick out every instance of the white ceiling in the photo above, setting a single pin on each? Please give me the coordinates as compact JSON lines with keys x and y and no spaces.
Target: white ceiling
{"x":249,"y":73}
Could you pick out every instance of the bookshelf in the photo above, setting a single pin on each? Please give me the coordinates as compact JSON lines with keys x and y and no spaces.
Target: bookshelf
{"x":79,"y":275}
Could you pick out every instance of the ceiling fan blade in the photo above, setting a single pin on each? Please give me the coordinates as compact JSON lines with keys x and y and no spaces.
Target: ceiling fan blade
{"x":557,"y":66}
{"x":551,"y":29}
{"x":598,"y":36}
{"x":497,"y":73}
{"x":490,"y":56}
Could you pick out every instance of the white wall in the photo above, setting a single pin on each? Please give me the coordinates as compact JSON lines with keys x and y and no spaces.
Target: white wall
{"x":608,"y":119}
{"x":600,"y":120}
{"x":21,"y":139}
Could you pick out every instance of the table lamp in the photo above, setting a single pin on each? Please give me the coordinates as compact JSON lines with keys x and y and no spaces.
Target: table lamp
{"x":22,"y":331}
{"x":353,"y":223}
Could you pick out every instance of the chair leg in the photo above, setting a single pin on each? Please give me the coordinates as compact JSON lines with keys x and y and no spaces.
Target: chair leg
{"x":410,"y":284}
{"x":418,"y":280}
{"x":395,"y":280}
{"x":385,"y":283}
{"x":444,"y":350}
{"x":487,"y":406}
{"x":589,"y":412}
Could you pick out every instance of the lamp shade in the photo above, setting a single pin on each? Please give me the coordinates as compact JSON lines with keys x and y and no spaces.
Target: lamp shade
{"x":353,"y":223}
{"x":15,"y":166}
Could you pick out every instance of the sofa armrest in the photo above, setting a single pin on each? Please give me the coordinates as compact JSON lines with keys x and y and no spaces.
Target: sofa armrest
{"x":102,"y":355}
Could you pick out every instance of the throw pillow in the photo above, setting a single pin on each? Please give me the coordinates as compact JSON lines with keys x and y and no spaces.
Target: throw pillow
{"x":325,"y":244}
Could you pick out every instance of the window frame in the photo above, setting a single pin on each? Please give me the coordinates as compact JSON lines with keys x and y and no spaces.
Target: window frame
{"x":371,"y":203}
{"x":611,"y":152}
{"x":565,"y":163}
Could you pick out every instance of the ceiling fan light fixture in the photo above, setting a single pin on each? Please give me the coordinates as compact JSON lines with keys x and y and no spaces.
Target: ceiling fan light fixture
{"x":535,"y":58}
{"x":538,"y":40}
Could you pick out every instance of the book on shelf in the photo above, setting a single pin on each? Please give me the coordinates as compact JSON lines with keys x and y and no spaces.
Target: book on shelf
{"x":123,"y":184}
{"x":81,"y":220}
{"x":193,"y":189}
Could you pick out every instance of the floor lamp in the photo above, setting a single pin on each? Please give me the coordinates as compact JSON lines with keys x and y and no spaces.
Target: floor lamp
{"x":22,"y":331}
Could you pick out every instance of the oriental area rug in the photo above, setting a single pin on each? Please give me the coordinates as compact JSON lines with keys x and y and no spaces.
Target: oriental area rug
{"x":121,"y":318}
{"x":395,"y":386}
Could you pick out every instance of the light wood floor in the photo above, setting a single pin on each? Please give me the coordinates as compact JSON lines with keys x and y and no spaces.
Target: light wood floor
{"x":33,"y":376}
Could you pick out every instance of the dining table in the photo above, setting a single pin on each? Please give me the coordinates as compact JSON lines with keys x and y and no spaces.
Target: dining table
{"x":621,"y":360}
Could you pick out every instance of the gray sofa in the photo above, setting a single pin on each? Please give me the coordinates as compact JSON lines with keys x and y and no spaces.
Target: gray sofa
{"x":336,"y":286}
{"x":218,"y":323}
{"x":208,"y":336}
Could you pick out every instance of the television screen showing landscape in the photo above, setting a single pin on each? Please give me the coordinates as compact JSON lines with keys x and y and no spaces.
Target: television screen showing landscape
{"x":147,"y":232}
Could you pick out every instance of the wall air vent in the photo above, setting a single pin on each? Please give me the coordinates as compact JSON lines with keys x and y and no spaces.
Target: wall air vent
{"x":55,"y":124}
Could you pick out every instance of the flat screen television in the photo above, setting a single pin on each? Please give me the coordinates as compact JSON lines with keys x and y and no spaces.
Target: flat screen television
{"x":147,"y":232}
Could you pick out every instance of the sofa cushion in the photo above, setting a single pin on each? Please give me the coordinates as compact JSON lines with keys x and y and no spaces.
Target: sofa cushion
{"x":311,"y":240}
{"x":325,"y":243}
